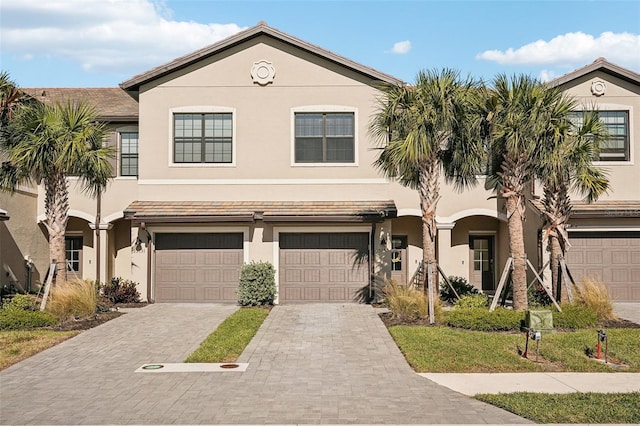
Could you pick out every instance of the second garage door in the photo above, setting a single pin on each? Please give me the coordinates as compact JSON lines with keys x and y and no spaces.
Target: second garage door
{"x":610,"y":257}
{"x":323,"y":267}
{"x":198,"y":267}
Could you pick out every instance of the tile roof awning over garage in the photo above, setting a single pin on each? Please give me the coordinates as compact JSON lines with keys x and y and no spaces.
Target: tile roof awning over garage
{"x":269,"y":211}
{"x":601,"y":209}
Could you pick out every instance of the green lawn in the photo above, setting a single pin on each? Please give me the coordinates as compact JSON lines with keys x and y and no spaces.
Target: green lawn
{"x":17,"y":345}
{"x":571,"y":407}
{"x":228,"y":341}
{"x":448,"y":350}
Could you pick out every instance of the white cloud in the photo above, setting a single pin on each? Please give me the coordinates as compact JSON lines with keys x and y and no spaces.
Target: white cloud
{"x":572,"y":49}
{"x":401,"y":47}
{"x":120,"y":36}
{"x":547,"y":75}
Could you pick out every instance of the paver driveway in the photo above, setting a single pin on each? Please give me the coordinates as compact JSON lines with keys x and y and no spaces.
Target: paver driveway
{"x":311,"y":363}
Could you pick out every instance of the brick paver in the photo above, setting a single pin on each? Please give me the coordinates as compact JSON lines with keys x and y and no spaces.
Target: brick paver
{"x":308,"y":364}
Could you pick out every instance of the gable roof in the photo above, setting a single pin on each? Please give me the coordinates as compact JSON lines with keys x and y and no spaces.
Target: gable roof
{"x":111,"y":103}
{"x":243,"y":36}
{"x":600,"y":64}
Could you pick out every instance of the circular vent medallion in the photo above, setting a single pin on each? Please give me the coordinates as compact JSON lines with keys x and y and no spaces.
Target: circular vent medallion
{"x":598,"y":88}
{"x":263,"y":72}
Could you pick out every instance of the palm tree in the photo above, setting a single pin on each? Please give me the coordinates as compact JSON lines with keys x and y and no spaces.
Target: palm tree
{"x":425,"y":130}
{"x":54,"y":142}
{"x":566,"y":167}
{"x":523,"y":115}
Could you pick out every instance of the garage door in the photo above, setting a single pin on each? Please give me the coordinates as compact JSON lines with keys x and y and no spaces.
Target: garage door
{"x":198,"y":267}
{"x":323,"y":267}
{"x":612,"y":257}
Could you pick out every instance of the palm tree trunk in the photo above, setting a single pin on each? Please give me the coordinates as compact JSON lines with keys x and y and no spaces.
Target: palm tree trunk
{"x":555,"y":251}
{"x":429,"y":193}
{"x":57,"y":210}
{"x":515,"y":215}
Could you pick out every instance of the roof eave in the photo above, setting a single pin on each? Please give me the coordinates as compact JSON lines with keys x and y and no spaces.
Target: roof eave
{"x":604,"y":66}
{"x":177,"y":64}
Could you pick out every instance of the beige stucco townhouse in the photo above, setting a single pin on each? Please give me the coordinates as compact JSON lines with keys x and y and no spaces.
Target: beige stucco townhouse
{"x":257,"y":148}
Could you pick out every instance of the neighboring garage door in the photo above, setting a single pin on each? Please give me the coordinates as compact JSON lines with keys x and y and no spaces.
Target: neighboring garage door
{"x":198,"y":267}
{"x":322,"y":267}
{"x":611,"y":257}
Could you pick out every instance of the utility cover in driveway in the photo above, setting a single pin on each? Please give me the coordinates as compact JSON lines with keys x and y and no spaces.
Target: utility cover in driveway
{"x":610,"y":257}
{"x":198,"y":267}
{"x":323,"y":267}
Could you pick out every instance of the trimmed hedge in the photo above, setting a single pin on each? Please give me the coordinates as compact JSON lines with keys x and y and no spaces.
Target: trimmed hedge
{"x":15,"y":319}
{"x":257,"y":284}
{"x":574,"y":316}
{"x":472,"y":301}
{"x":481,"y":319}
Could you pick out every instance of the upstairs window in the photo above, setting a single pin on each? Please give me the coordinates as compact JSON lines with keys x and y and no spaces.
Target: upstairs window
{"x":129,"y":154}
{"x":203,"y":138}
{"x":324,"y":138}
{"x":617,"y":146}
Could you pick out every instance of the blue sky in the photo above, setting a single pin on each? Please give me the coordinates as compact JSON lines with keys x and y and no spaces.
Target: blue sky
{"x":100,"y":43}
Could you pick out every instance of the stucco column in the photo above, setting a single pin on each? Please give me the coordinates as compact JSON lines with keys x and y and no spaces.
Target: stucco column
{"x":104,"y":250}
{"x":447,"y":261}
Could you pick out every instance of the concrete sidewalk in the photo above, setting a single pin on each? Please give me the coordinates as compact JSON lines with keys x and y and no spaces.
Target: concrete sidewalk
{"x":475,"y":383}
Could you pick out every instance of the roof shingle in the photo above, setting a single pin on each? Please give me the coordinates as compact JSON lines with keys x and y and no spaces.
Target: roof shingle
{"x":111,"y":103}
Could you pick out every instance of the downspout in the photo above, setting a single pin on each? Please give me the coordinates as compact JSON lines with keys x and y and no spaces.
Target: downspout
{"x":97,"y":226}
{"x":371,"y":259}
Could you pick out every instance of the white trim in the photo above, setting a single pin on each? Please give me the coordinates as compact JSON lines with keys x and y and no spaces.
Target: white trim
{"x":112,"y":217}
{"x":329,"y":229}
{"x":324,"y":109}
{"x":72,"y":213}
{"x":445,"y":226}
{"x":261,"y":181}
{"x":203,"y":109}
{"x":118,"y":131}
{"x":616,"y":107}
{"x":588,"y":228}
{"x":472,"y":212}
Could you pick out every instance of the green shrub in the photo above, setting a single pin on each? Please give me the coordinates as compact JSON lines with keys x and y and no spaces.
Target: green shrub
{"x":19,"y":302}
{"x":472,"y":301}
{"x":16,"y":319}
{"x":574,"y":316}
{"x":482,"y":320}
{"x":73,"y":299}
{"x":461,"y":286}
{"x":119,"y":290}
{"x":257,"y":284}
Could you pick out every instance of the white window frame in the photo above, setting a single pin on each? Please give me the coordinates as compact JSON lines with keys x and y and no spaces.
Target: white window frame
{"x":202,"y":109}
{"x":616,"y":107}
{"x":324,"y":109}
{"x":119,"y":131}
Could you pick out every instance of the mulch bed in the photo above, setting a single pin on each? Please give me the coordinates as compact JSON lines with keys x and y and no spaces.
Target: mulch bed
{"x":96,"y":319}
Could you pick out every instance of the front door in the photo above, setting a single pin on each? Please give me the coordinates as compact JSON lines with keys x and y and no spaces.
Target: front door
{"x":398,"y":259}
{"x":481,"y":261}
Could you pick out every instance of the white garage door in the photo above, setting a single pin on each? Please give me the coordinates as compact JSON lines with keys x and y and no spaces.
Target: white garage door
{"x":323,"y":267}
{"x":198,"y":267}
{"x":611,"y":257}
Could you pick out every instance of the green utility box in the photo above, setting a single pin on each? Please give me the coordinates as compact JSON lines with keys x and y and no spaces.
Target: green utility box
{"x":541,"y":321}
